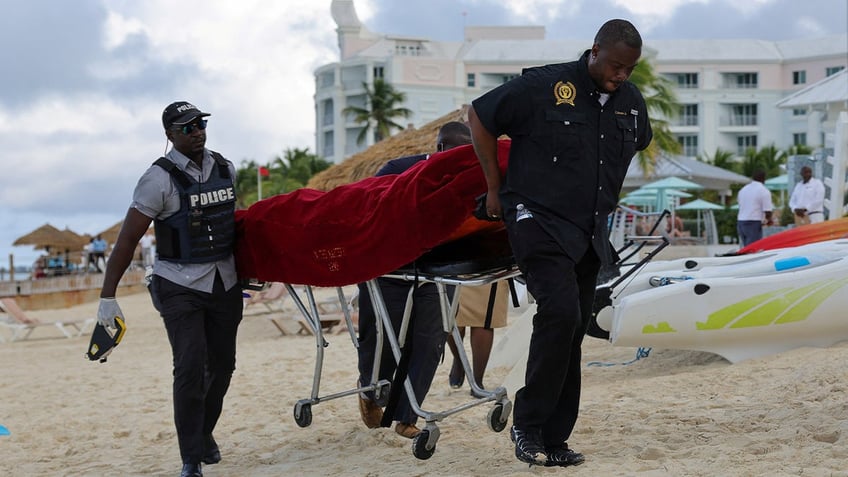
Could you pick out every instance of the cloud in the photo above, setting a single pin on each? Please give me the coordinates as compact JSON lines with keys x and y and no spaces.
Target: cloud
{"x":80,"y":112}
{"x":539,"y":11}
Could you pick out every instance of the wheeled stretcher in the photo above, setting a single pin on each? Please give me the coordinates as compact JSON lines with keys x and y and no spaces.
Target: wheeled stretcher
{"x":464,"y":263}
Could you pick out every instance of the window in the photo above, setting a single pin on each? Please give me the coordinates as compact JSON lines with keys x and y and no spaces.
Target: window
{"x":327,"y":79}
{"x":799,"y":112}
{"x":506,"y":78}
{"x":832,"y":70}
{"x":329,"y":149}
{"x":408,"y":49}
{"x":743,"y":143}
{"x":799,"y":139}
{"x":327,"y":113}
{"x":689,"y":142}
{"x":743,"y":115}
{"x":378,"y":72}
{"x":688,"y":115}
{"x":741,"y":80}
{"x":799,"y":77}
{"x":685,"y":80}
{"x":471,"y":80}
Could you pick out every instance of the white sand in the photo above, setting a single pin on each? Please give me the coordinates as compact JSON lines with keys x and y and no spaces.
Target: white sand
{"x":674,"y":413}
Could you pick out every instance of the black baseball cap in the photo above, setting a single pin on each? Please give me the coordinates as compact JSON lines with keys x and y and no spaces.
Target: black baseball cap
{"x":179,"y":113}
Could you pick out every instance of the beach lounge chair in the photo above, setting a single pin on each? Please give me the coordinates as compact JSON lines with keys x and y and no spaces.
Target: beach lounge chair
{"x":272,"y":298}
{"x":330,"y":314}
{"x":22,"y":326}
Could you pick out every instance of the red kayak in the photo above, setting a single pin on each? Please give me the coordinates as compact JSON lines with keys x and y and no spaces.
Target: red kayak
{"x":360,"y":231}
{"x":811,"y":233}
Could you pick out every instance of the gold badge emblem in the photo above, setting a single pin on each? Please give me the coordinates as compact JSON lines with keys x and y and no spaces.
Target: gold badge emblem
{"x":564,"y":93}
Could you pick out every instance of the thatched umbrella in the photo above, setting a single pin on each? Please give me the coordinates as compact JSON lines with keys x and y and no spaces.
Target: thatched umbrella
{"x":78,"y":240}
{"x":49,"y":237}
{"x":366,"y":163}
{"x":110,"y":235}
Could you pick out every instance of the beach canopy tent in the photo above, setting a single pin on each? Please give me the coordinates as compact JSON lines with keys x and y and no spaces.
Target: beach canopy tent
{"x":654,"y":200}
{"x":779,"y":183}
{"x":644,"y":191}
{"x":669,"y":184}
{"x":705,"y":209}
{"x":708,"y":176}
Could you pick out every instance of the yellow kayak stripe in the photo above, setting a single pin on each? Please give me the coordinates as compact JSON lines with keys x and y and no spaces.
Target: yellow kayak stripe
{"x":802,"y":310}
{"x":723,"y":317}
{"x":766,"y":314}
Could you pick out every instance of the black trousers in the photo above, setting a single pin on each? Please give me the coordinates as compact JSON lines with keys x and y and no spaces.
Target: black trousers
{"x":564,"y":291}
{"x":202,"y":330}
{"x":425,"y":348}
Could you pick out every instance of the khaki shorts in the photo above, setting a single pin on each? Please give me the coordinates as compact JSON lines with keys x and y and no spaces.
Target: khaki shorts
{"x":474,"y":301}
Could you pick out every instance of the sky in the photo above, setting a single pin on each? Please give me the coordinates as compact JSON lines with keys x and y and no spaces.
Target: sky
{"x":84,"y":83}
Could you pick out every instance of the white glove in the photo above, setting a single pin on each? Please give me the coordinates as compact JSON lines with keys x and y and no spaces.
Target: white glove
{"x":107,"y":312}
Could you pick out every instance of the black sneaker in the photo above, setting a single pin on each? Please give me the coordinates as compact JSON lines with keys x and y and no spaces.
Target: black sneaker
{"x":211,"y":453}
{"x":528,"y":446}
{"x":562,"y":456}
{"x":191,"y":470}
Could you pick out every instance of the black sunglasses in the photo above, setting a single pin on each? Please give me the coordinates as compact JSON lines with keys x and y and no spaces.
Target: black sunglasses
{"x":189,"y":128}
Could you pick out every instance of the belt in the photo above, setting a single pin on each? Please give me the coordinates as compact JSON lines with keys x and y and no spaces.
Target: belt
{"x":811,"y":213}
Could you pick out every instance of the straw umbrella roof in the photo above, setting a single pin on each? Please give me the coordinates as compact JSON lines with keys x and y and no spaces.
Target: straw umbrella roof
{"x":110,"y":235}
{"x":49,"y":237}
{"x":366,"y":163}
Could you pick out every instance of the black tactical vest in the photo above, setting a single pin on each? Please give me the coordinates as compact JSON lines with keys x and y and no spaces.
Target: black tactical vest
{"x":203,"y":229}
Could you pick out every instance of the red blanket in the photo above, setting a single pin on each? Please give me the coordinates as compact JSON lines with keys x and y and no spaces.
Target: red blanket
{"x":360,"y":231}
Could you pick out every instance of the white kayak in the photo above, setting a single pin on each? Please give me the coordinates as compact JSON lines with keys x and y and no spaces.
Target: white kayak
{"x":738,"y":307}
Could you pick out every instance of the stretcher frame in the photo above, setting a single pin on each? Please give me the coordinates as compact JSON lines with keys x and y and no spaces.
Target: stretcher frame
{"x":424,"y":444}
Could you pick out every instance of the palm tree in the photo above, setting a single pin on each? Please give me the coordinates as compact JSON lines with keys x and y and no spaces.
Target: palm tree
{"x":721,"y":158}
{"x":294,"y":169}
{"x":287,"y":173}
{"x":661,"y":103}
{"x":382,"y":106}
{"x":768,"y":158}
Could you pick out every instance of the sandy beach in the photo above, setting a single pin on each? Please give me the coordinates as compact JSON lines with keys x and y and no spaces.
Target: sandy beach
{"x":674,"y":413}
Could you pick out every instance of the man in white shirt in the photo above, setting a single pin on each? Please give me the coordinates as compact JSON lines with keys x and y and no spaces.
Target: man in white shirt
{"x":807,"y":200}
{"x":754,"y":206}
{"x":146,"y":242}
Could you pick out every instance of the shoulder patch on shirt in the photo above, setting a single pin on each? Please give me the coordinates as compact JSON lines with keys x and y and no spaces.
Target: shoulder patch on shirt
{"x":564,"y":93}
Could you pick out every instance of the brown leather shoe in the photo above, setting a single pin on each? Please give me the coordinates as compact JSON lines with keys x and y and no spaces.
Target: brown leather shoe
{"x":370,"y":413}
{"x":407,"y":430}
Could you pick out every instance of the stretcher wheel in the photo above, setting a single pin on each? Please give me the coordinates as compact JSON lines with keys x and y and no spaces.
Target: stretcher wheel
{"x":419,"y":445}
{"x":496,"y":419}
{"x":303,"y":414}
{"x":381,"y":394}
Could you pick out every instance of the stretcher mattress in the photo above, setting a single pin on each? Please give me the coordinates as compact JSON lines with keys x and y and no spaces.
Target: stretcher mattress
{"x":363,"y":230}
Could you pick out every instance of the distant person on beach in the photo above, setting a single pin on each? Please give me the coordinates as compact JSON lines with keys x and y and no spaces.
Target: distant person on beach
{"x":755,"y":208}
{"x":427,"y":342}
{"x":807,"y":199}
{"x":146,"y":243}
{"x":575,"y":128}
{"x":194,"y":286}
{"x":98,"y":252}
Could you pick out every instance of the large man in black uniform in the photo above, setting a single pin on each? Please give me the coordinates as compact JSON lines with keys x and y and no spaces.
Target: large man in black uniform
{"x":574,"y":129}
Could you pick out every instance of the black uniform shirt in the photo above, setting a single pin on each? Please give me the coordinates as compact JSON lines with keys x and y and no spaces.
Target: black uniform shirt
{"x":569,"y":153}
{"x":400,"y":165}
